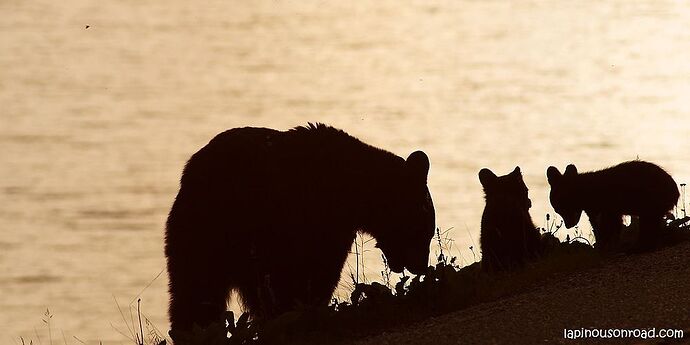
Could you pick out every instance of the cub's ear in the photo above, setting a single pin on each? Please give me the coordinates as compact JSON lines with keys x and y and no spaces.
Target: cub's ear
{"x":516,"y":171}
{"x":487,"y":177}
{"x":570,"y":170}
{"x":418,"y":163}
{"x":553,"y":175}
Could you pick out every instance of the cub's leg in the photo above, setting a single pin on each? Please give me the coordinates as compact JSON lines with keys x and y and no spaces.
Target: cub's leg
{"x":607,"y":228}
{"x":531,"y":239}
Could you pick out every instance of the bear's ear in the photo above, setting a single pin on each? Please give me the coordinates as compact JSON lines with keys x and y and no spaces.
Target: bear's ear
{"x":487,"y":177}
{"x":570,"y":170}
{"x":516,"y":171}
{"x":553,"y":175}
{"x":418,"y":163}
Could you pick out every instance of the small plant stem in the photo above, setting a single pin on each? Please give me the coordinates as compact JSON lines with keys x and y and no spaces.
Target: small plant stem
{"x":141,"y":328}
{"x":682,"y":188}
{"x":356,"y":262}
{"x":364,"y":272}
{"x":440,"y":244}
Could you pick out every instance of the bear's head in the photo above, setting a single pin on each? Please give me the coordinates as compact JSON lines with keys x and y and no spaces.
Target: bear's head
{"x":561,"y":196}
{"x":405,"y":220}
{"x":510,"y":189}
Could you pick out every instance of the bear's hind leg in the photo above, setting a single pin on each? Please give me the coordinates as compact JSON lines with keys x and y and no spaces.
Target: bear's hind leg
{"x":257,"y":296}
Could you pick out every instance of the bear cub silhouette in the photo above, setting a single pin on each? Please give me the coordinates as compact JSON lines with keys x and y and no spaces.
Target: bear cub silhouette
{"x":508,"y":236}
{"x":634,"y":188}
{"x":272,"y":215}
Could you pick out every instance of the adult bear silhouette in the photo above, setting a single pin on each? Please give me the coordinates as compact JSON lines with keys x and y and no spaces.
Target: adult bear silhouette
{"x":508,"y":236}
{"x":272,"y":215}
{"x":635,"y":188}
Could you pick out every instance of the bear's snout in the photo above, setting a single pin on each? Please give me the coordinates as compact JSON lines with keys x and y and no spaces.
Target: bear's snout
{"x":571,"y":220}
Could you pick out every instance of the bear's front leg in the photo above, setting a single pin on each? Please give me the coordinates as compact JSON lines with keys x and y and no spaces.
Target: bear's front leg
{"x":607,"y":228}
{"x":198,"y":291}
{"x":650,"y":228}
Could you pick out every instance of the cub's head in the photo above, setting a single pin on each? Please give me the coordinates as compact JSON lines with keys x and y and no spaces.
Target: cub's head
{"x":509,"y":188}
{"x":562,"y":192}
{"x":404,"y":220}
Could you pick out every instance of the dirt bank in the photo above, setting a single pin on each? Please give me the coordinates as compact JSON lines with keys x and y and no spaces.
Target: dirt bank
{"x":640,"y":291}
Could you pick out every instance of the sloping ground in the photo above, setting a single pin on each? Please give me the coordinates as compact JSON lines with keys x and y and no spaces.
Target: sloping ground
{"x":628,"y":292}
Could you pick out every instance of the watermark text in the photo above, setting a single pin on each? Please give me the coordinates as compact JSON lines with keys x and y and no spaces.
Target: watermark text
{"x":622,"y":333}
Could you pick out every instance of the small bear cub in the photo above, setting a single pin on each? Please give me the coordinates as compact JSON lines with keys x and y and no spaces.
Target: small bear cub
{"x":634,"y":188}
{"x":508,"y":236}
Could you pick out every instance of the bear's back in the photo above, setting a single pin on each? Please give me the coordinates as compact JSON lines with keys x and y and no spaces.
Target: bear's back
{"x":633,"y":172}
{"x":232,"y":151}
{"x":284,"y":173}
{"x":637,"y":186}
